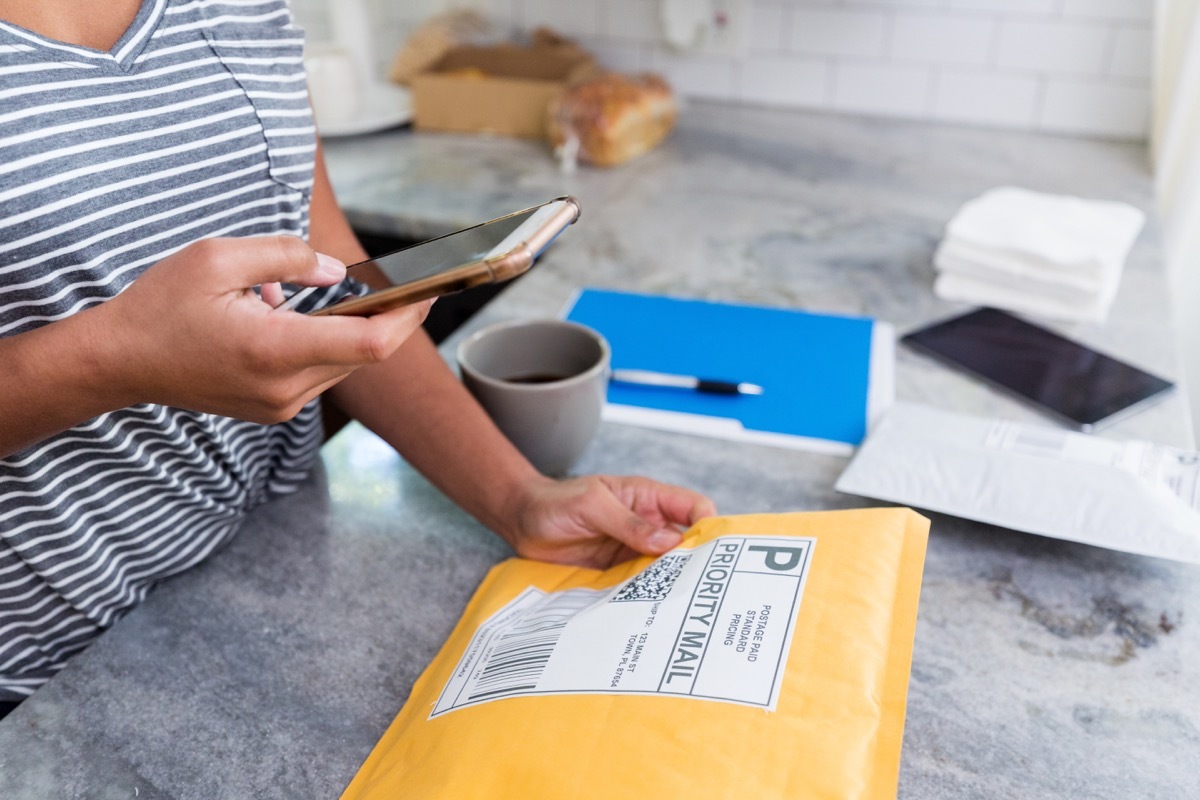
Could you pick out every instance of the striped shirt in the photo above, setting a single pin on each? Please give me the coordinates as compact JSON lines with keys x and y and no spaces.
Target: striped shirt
{"x":195,"y":125}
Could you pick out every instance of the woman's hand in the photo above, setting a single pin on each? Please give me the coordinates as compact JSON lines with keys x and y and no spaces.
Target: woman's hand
{"x":601,"y":520}
{"x":190,"y":332}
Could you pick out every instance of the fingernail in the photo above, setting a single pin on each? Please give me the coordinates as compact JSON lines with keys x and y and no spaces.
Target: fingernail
{"x":664,"y":540}
{"x":330,"y":266}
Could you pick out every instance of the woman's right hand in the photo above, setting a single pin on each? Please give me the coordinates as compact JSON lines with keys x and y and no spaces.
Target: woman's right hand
{"x":190,"y":332}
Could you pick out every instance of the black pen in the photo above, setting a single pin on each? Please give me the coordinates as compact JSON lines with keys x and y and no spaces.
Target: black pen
{"x":643,"y":377}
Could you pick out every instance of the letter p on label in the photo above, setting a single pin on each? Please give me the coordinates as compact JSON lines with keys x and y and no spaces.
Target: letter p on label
{"x":789,"y":559}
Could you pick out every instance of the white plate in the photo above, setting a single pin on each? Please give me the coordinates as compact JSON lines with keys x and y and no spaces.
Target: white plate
{"x":384,"y":106}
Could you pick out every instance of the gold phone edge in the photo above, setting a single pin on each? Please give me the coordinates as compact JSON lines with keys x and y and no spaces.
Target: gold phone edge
{"x":500,"y":268}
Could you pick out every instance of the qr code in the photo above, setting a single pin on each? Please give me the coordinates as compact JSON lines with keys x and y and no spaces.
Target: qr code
{"x":654,"y":582}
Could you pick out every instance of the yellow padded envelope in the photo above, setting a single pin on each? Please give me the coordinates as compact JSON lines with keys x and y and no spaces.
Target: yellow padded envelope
{"x":767,"y":656}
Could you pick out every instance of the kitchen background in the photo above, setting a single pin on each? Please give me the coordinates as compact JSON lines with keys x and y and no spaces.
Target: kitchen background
{"x":1068,"y":66}
{"x":1072,"y":67}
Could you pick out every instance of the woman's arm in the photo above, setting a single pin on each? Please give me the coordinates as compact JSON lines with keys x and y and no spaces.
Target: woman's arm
{"x":415,"y":403}
{"x":191,"y":333}
{"x":55,"y":377}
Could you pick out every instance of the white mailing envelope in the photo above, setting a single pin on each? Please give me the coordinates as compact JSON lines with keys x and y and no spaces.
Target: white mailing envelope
{"x":1132,"y":496}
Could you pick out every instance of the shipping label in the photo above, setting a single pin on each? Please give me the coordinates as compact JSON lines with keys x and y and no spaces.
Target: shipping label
{"x":712,"y":623}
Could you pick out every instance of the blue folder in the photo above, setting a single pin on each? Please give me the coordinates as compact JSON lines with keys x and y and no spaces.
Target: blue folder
{"x":825,"y":377}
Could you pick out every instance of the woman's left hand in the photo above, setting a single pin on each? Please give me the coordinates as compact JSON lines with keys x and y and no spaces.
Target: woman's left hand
{"x":601,"y":520}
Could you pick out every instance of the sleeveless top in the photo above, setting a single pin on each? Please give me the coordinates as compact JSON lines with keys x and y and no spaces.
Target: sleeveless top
{"x":195,"y":125}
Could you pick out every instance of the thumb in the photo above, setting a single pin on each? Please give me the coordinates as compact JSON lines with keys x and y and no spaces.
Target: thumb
{"x":242,"y":263}
{"x":616,"y":520}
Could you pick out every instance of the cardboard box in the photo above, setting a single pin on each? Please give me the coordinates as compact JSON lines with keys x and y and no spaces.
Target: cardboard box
{"x":502,"y":89}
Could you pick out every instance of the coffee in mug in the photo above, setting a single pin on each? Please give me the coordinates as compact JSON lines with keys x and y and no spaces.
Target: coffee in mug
{"x":542,"y":382}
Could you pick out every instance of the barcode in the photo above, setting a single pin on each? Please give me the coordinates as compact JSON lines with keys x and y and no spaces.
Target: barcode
{"x":655,"y":581}
{"x":521,"y":655}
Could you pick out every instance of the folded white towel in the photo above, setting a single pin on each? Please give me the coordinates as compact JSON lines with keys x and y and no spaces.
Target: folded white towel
{"x":964,"y":258}
{"x":1030,"y":285}
{"x":1049,"y":255}
{"x":979,"y":292}
{"x":1070,"y":232}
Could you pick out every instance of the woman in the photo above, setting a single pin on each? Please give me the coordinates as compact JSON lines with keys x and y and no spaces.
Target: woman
{"x":158,"y":163}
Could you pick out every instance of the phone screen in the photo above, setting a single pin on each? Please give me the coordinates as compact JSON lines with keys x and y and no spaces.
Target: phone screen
{"x":1069,"y":379}
{"x":435,"y":256}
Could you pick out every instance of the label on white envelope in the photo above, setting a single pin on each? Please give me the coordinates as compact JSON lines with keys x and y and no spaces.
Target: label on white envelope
{"x":1134,"y":496}
{"x":712,"y":623}
{"x":1167,"y":468}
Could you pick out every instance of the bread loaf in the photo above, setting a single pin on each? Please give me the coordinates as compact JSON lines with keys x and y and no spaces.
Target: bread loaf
{"x":612,"y":118}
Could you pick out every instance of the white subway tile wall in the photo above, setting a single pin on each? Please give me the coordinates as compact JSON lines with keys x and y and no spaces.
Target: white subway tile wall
{"x":846,"y":32}
{"x":987,"y":98}
{"x":778,"y":80}
{"x":933,"y":38}
{"x":897,"y":90}
{"x":1069,"y":66}
{"x":1132,"y":54}
{"x":1054,"y":48}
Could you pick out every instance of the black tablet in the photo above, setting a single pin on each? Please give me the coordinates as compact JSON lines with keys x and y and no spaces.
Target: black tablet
{"x":1070,"y":380}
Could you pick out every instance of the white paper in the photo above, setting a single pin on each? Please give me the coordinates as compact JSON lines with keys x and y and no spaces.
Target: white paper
{"x":712,"y":623}
{"x":1132,"y":496}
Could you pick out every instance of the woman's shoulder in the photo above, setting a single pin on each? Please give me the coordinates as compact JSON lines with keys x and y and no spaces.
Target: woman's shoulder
{"x":266,"y":15}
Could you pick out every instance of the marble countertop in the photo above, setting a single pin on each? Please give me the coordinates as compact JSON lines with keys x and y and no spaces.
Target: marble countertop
{"x":1041,"y":668}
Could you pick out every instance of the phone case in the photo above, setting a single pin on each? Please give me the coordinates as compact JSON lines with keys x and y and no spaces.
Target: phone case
{"x":502,"y":267}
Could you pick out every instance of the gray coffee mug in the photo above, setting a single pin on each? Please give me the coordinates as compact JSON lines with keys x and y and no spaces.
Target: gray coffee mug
{"x":542,"y":382}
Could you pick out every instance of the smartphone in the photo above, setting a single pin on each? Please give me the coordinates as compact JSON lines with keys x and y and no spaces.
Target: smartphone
{"x":490,"y":252}
{"x":1072,"y":382}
